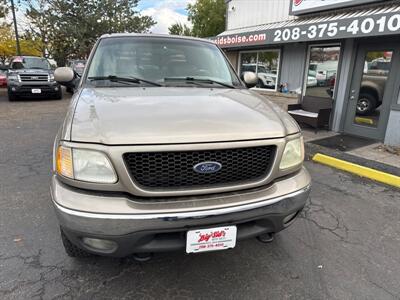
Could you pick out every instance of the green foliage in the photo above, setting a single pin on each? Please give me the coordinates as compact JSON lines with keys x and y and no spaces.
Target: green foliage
{"x":207,"y":17}
{"x":180,"y":29}
{"x":3,"y":8}
{"x":28,"y":45}
{"x":69,"y":28}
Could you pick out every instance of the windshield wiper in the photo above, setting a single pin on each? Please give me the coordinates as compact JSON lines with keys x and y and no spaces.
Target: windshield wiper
{"x":199,"y":80}
{"x":114,"y":78}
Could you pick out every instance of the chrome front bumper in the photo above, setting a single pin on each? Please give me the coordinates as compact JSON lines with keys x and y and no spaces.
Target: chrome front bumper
{"x":131,"y":222}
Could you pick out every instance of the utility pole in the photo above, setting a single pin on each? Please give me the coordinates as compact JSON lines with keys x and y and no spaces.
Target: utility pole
{"x":15,"y":28}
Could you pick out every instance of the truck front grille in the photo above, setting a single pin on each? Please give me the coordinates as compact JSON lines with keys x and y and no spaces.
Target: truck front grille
{"x":34,"y":77}
{"x":175,"y":170}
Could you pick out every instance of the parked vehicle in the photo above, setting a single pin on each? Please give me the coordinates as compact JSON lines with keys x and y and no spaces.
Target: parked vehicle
{"x":52,"y":62}
{"x":171,"y":151}
{"x":311,"y":79}
{"x":266,"y":79}
{"x":323,"y":71}
{"x":372,"y":86}
{"x":31,"y":77}
{"x":78,"y":65}
{"x":331,"y":85}
{"x":3,"y":78}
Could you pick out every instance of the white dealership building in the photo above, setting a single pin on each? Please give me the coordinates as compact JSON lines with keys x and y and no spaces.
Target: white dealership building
{"x":346,"y":52}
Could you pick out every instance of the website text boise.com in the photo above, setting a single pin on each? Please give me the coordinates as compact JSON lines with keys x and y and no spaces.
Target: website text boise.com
{"x":232,"y":40}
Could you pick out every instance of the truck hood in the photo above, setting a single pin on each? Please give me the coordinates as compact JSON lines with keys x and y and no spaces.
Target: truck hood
{"x":170,"y":115}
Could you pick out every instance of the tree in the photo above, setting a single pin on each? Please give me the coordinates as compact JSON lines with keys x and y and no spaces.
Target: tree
{"x":207,"y":17}
{"x":69,"y":28}
{"x":3,"y":8}
{"x":7,"y":49}
{"x":8,"y":45}
{"x":180,"y":29}
{"x":38,"y":25}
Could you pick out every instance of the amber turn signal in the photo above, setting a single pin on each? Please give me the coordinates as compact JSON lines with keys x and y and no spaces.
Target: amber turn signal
{"x":64,"y":162}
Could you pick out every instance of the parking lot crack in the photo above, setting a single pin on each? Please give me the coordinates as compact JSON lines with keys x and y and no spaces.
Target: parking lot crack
{"x":126,"y":268}
{"x":314,"y":213}
{"x":38,"y":284}
{"x":395,"y":296}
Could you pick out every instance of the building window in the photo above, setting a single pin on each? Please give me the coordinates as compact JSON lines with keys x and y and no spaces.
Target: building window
{"x":322,"y":71}
{"x":265,"y":64}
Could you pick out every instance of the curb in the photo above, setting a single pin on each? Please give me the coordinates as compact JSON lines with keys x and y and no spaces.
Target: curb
{"x":356,"y":169}
{"x":312,"y":149}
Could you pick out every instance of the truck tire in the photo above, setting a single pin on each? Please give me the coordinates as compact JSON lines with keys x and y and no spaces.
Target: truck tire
{"x":72,"y":250}
{"x":12,"y":97}
{"x":59,"y":95}
{"x":366,"y":104}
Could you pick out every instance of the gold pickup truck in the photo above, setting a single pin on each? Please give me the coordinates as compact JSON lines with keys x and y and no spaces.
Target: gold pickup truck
{"x":164,"y":148}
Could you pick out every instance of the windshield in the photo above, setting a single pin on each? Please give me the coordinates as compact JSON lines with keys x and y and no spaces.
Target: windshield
{"x":159,"y":60}
{"x":30,"y":63}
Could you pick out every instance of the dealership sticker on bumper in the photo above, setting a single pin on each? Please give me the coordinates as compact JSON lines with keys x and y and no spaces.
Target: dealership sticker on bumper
{"x":211,"y":239}
{"x":36,"y":91}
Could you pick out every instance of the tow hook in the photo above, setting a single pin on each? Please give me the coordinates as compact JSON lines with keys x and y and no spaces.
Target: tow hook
{"x":142,"y":257}
{"x":266,"y":238}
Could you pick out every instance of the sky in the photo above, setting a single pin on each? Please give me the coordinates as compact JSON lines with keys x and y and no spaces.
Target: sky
{"x":165,"y":12}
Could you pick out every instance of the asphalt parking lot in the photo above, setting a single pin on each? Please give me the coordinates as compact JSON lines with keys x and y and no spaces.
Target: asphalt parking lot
{"x":345,"y":245}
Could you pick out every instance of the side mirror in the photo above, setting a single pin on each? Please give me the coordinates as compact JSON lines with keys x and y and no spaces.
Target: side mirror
{"x":250,"y":79}
{"x":64,"y":76}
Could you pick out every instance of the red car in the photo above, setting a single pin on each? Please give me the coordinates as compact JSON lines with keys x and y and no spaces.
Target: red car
{"x":3,"y":79}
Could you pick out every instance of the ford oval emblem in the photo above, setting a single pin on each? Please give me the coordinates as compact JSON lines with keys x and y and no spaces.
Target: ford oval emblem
{"x":207,"y":167}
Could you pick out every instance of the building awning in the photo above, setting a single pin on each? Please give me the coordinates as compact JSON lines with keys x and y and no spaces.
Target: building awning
{"x":377,"y":21}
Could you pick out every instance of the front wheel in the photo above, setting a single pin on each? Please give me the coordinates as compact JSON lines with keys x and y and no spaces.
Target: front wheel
{"x":59,"y":95}
{"x":12,"y":97}
{"x":366,"y":104}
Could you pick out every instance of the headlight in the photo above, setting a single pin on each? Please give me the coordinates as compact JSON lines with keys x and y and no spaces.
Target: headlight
{"x":293,"y":154}
{"x":85,"y":165}
{"x":51,"y":77}
{"x":12,"y":77}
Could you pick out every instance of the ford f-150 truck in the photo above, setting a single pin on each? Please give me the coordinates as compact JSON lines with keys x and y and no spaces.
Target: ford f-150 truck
{"x":164,"y":148}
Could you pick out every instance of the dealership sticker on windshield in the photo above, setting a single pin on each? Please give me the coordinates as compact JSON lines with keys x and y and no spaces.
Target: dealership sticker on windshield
{"x":36,"y":91}
{"x":211,"y":239}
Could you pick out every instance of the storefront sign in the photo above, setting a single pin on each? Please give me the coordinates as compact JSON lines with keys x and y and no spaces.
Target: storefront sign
{"x":299,"y":7}
{"x":372,"y":25}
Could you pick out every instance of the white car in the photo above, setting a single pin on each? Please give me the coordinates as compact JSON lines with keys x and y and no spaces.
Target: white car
{"x":312,"y":81}
{"x":266,"y":78}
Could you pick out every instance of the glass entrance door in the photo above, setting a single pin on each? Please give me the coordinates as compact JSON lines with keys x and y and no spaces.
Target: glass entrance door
{"x":371,"y":91}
